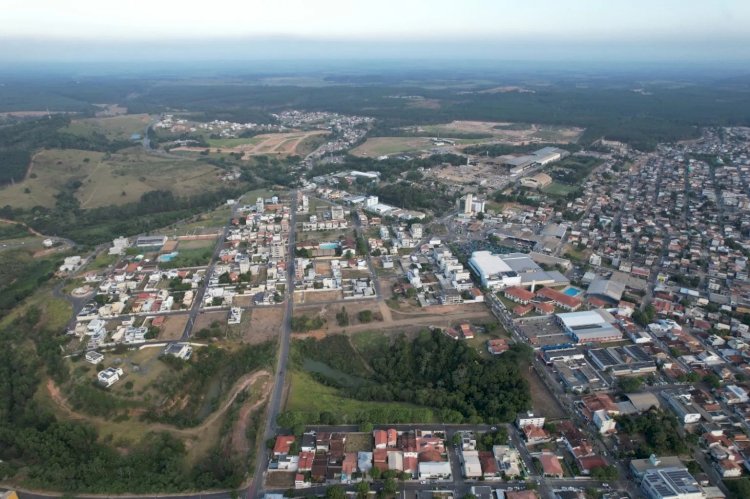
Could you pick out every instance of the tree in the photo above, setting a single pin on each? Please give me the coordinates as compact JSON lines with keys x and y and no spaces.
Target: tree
{"x":363,"y":490}
{"x":342,"y":318}
{"x":365,"y":427}
{"x":389,"y":487}
{"x":335,"y":492}
{"x":630,"y":384}
{"x":365,"y":316}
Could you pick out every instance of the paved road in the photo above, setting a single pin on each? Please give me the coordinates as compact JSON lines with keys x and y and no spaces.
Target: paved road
{"x":198,"y":300}
{"x":274,"y":404}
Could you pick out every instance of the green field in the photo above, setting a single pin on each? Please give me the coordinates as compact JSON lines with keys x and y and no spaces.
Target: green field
{"x":114,"y":128}
{"x":307,"y":395}
{"x":560,"y":190}
{"x":99,"y":179}
{"x":379,"y":146}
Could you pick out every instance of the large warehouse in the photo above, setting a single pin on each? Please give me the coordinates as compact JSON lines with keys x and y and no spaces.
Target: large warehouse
{"x":592,"y":326}
{"x":514,"y":269}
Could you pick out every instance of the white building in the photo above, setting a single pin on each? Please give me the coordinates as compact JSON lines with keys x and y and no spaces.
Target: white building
{"x":235,"y":316}
{"x":180,"y":350}
{"x":119,"y":245}
{"x":94,"y":357}
{"x":435,"y":470}
{"x":70,"y":264}
{"x":604,"y":422}
{"x":493,"y":271}
{"x":109,"y":376}
{"x":416,"y":231}
{"x":529,"y":419}
{"x":472,"y":468}
{"x":670,"y":483}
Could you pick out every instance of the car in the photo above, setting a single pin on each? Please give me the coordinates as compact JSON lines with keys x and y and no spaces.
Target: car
{"x":422,"y":482}
{"x":493,"y":428}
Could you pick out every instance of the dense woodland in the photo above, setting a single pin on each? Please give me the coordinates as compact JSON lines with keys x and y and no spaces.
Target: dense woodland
{"x":431,"y":371}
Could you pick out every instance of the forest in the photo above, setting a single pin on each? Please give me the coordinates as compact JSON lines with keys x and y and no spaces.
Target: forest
{"x":431,"y":371}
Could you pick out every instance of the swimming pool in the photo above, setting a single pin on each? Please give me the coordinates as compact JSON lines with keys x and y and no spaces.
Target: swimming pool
{"x":571,"y":291}
{"x":167,"y":257}
{"x":328,"y":246}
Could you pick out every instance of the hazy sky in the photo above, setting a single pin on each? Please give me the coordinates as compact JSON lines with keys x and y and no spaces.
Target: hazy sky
{"x":65,"y":27}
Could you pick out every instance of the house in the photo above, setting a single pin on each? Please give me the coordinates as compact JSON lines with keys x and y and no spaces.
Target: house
{"x":497,"y":346}
{"x":489,"y":465}
{"x":283,"y":445}
{"x":94,"y":357}
{"x":472,"y":468}
{"x":535,"y":435}
{"x":180,"y":350}
{"x":308,"y":442}
{"x":109,"y":376}
{"x":589,"y":463}
{"x":300,"y":482}
{"x":551,"y":466}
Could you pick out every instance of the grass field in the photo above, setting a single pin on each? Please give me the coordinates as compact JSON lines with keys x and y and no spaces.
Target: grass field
{"x":559,"y":189}
{"x":101,"y":180}
{"x":379,"y":146}
{"x":307,"y":395}
{"x":506,"y":132}
{"x":114,"y":128}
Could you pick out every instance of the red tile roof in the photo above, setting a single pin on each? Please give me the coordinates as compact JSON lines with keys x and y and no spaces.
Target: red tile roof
{"x":283,"y":444}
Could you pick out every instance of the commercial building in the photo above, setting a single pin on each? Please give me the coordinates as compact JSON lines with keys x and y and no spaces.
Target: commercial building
{"x":493,"y":272}
{"x":435,"y":470}
{"x":593,"y":326}
{"x":670,"y":483}
{"x":150,"y":241}
{"x":606,"y":289}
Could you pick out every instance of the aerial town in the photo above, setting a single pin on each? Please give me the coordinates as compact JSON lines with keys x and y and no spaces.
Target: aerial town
{"x":631,"y":293}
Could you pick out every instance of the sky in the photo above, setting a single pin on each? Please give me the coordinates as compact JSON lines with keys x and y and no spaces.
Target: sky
{"x":503,"y":29}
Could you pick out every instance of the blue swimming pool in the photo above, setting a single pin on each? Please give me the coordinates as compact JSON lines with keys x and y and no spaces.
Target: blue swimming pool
{"x":328,"y":246}
{"x":570,"y":291}
{"x":167,"y":257}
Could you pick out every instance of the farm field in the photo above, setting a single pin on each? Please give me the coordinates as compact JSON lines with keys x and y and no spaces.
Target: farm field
{"x":101,"y":180}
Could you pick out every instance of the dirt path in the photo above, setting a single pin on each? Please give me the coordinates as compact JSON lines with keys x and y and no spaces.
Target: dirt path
{"x":239,"y":432}
{"x":31,"y":165}
{"x":239,"y":386}
{"x":423,"y":320}
{"x":36,"y":233}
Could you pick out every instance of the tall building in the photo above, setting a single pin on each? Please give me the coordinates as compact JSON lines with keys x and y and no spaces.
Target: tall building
{"x":468,"y":204}
{"x":259,"y":205}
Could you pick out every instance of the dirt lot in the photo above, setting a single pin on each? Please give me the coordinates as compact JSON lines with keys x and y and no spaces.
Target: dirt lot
{"x":173,"y":327}
{"x":261,"y":324}
{"x":509,"y":132}
{"x":316,"y":296}
{"x":359,"y":442}
{"x":280,"y":480}
{"x":378,"y":146}
{"x":542,"y":400}
{"x":272,"y":143}
{"x":205,"y":319}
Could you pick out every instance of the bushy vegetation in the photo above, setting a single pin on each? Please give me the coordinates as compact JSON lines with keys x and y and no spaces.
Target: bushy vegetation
{"x":21,"y":275}
{"x":660,"y":432}
{"x":304,"y":323}
{"x":69,"y":455}
{"x":430,"y":371}
{"x":210,"y":366}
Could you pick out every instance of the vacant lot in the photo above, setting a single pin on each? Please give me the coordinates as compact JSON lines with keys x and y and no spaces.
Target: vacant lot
{"x":281,"y":144}
{"x":173,"y":327}
{"x":262,"y":324}
{"x":379,"y":146}
{"x":100,"y":180}
{"x":542,"y":401}
{"x":308,"y":395}
{"x":560,"y":189}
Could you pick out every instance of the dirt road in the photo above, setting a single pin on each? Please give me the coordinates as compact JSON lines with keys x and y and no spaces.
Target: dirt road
{"x":241,"y":384}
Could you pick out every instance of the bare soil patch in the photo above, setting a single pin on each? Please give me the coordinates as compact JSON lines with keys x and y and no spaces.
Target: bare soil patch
{"x":173,"y":327}
{"x":264,"y":324}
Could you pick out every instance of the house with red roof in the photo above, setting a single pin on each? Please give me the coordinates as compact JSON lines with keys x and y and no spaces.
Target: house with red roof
{"x":282,"y":445}
{"x":560,"y":299}
{"x":551,"y":466}
{"x":518,"y":295}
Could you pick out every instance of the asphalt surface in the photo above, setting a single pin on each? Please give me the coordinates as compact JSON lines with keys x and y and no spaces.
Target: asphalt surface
{"x":274,"y":404}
